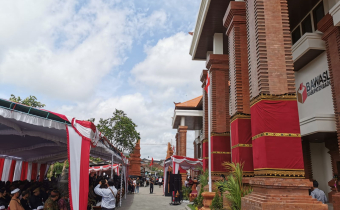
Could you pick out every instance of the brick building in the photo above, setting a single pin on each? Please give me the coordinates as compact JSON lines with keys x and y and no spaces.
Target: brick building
{"x":273,"y":67}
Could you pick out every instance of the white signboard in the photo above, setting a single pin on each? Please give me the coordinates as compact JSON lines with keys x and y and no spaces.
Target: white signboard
{"x":314,"y":96}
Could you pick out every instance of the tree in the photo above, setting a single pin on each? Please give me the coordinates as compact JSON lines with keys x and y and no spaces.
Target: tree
{"x":29,"y":101}
{"x":119,"y":130}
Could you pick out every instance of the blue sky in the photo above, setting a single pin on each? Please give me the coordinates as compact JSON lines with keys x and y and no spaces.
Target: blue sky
{"x":86,"y":58}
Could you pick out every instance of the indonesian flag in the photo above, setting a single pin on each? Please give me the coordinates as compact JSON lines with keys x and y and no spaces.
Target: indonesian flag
{"x":207,"y":89}
{"x":207,"y":84}
{"x":151,"y":162}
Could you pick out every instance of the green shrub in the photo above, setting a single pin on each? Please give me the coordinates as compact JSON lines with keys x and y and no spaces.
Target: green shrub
{"x":234,"y":185}
{"x":217,"y":202}
{"x":186,"y":192}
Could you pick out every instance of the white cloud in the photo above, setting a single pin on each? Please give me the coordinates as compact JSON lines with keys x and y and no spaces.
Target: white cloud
{"x":51,"y":48}
{"x":166,"y":72}
{"x":169,"y":65}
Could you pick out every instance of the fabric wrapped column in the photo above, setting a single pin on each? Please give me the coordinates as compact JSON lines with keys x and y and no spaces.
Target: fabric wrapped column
{"x":277,"y":152}
{"x":205,"y":152}
{"x":235,"y":22}
{"x":218,"y":65}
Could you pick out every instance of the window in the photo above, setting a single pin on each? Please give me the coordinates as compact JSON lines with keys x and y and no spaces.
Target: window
{"x":296,"y":35}
{"x":306,"y":25}
{"x":318,"y":13}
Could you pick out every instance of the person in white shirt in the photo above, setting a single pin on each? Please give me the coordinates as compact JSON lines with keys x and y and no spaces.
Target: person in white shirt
{"x":108,"y":195}
{"x":135,"y":185}
{"x":318,"y":194}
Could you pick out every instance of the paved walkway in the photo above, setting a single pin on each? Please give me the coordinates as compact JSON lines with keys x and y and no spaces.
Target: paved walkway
{"x":146,"y":201}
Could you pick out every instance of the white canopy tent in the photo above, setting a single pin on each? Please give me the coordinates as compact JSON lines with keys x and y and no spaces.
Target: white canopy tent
{"x":177,"y":162}
{"x":31,"y":139}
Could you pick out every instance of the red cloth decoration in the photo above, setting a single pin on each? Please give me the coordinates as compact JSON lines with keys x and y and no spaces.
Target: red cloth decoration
{"x":151,"y":162}
{"x":220,"y":144}
{"x":205,"y":155}
{"x":11,"y":171}
{"x":42,"y":172}
{"x":84,"y":169}
{"x":24,"y":169}
{"x":273,"y":151}
{"x":2,"y":161}
{"x":34,"y":171}
{"x":241,"y":134}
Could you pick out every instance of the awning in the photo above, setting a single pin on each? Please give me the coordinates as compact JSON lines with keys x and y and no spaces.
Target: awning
{"x":115,"y":167}
{"x":185,"y":163}
{"x":32,"y":138}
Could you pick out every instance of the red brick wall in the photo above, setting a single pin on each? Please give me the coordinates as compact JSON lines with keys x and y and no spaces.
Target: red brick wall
{"x":235,"y":22}
{"x":332,"y":38}
{"x":269,"y":43}
{"x":182,"y":132}
{"x":219,"y":75}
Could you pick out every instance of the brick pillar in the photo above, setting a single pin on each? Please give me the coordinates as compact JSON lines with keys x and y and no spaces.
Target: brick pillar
{"x":199,"y":148}
{"x":235,"y":22}
{"x":177,"y":144}
{"x":277,"y":151}
{"x":307,"y":160}
{"x":182,"y":136}
{"x":218,"y":66}
{"x":332,"y":38}
{"x":195,"y":150}
{"x":205,"y":153}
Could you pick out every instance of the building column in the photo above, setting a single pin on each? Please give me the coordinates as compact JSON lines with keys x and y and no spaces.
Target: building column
{"x":205,"y":153}
{"x":177,"y":144}
{"x":182,"y":136}
{"x":240,"y":123}
{"x":332,"y":38}
{"x":195,"y":150}
{"x":277,"y":151}
{"x":218,"y":65}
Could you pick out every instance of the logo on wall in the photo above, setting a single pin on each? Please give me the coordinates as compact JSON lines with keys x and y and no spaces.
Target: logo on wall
{"x":315,"y":85}
{"x":302,"y":93}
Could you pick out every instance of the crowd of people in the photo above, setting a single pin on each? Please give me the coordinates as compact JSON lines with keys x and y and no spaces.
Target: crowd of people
{"x":25,"y":195}
{"x":135,"y":183}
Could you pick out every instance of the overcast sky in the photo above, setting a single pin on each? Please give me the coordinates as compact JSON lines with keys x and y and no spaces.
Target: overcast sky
{"x":87,"y":58}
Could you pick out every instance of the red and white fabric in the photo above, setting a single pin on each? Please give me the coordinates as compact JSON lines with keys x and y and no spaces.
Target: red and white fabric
{"x":177,"y":162}
{"x":72,"y":137}
{"x":105,"y":168}
{"x":6,"y":169}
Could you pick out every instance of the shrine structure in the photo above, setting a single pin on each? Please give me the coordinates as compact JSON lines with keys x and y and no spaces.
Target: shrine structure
{"x":169,"y":151}
{"x":135,"y":161}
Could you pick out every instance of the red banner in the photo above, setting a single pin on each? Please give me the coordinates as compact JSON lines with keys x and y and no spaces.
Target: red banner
{"x":220,"y":153}
{"x":276,"y":135}
{"x":205,"y":155}
{"x":242,"y":151}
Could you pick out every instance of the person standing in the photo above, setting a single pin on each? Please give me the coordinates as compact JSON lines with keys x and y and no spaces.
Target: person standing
{"x":160,"y":182}
{"x":317,"y":193}
{"x":134,"y":186}
{"x":151,"y":185}
{"x":138,"y":185}
{"x":108,"y":195}
{"x":15,"y":202}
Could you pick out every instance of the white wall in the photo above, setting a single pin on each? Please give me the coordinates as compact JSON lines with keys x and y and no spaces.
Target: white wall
{"x":321,"y":165}
{"x":316,"y":113}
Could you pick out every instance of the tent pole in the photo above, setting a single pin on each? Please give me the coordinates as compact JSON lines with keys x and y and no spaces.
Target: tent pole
{"x":112,"y":167}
